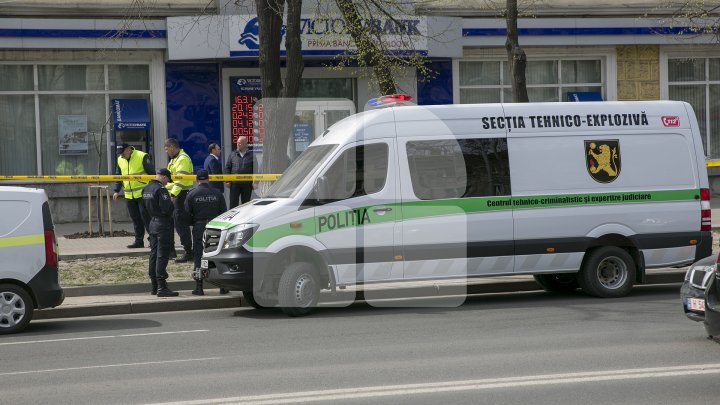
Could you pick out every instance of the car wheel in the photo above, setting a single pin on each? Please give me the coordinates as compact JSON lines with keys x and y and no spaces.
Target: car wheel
{"x":257,"y":302}
{"x":608,"y":272}
{"x":16,"y":309}
{"x":299,"y":290}
{"x":562,"y":283}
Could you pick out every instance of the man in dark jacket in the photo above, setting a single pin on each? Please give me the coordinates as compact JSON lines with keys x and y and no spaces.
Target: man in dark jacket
{"x":213,"y":166}
{"x":203,"y":203}
{"x":241,"y":161}
{"x":158,"y":204}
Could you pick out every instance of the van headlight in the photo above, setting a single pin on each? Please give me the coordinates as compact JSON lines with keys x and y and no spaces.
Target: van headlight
{"x":238,"y":235}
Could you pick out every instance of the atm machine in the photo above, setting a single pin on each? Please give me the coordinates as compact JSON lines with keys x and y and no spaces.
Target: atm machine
{"x":131,"y":124}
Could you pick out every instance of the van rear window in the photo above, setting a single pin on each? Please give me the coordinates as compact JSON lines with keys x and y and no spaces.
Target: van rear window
{"x":459,"y":168}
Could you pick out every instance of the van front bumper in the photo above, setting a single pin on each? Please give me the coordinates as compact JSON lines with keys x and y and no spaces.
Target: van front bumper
{"x":236,"y":269}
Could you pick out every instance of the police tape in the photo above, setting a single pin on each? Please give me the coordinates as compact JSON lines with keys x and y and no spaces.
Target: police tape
{"x":714,"y":163}
{"x":145,"y":177}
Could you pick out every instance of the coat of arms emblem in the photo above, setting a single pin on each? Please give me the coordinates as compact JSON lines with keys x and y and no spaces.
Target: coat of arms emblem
{"x":603,"y":159}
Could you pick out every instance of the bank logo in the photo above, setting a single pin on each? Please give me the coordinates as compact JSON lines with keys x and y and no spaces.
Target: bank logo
{"x":603,"y":159}
{"x":251,"y":34}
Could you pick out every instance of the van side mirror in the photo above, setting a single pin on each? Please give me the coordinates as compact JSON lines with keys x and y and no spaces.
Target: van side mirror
{"x":321,"y":190}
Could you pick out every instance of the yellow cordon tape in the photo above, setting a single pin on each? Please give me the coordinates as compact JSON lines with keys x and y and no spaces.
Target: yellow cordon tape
{"x":714,"y":163}
{"x":146,"y":177}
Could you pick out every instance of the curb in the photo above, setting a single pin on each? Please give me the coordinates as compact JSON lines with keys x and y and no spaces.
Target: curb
{"x":188,"y":303}
{"x":162,"y":305}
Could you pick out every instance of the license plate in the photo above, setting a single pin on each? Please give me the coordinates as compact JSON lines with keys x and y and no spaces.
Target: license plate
{"x":203,"y":264}
{"x":696,"y":304}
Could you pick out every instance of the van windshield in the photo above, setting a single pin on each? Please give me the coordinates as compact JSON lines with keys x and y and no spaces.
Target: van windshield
{"x":299,"y":171}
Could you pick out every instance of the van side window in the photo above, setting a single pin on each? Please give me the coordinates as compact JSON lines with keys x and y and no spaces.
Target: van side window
{"x":459,"y":168}
{"x":359,"y":171}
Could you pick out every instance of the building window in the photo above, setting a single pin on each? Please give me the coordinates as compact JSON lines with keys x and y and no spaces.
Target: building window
{"x":55,"y":118}
{"x":489,"y":81}
{"x":697,"y":81}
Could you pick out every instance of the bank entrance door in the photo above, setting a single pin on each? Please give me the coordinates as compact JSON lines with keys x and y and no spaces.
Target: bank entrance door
{"x":312,"y":117}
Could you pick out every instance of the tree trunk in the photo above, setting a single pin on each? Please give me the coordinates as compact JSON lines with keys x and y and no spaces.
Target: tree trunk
{"x":279,"y":98}
{"x":516,"y":55}
{"x":371,"y":55}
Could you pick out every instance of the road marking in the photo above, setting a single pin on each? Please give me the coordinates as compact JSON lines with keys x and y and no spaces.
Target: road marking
{"x":465,"y":385}
{"x":103,"y":337}
{"x":148,"y":363}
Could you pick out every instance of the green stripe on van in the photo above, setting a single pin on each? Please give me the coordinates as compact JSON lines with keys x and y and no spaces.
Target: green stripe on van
{"x":16,"y":241}
{"x":458,"y":206}
{"x":222,"y":224}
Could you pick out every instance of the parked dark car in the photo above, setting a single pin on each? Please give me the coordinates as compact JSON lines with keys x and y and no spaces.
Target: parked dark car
{"x":700,"y":295}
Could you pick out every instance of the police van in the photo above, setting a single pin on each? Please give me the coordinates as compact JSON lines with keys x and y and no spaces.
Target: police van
{"x":28,"y":257}
{"x":579,"y":195}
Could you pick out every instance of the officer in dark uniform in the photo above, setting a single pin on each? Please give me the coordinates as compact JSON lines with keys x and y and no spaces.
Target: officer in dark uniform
{"x":203,"y":203}
{"x":158,"y":204}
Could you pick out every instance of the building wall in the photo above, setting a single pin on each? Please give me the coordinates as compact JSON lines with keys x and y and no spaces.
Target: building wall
{"x":638,"y":72}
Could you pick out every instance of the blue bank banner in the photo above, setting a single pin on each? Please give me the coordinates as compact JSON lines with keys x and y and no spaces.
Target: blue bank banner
{"x":130,"y":114}
{"x":193,"y":107}
{"x":584,"y":96}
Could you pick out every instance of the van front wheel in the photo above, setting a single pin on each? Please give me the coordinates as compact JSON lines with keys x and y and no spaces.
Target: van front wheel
{"x":257,"y":302}
{"x":608,"y":272}
{"x":299,"y":289}
{"x":16,"y":309}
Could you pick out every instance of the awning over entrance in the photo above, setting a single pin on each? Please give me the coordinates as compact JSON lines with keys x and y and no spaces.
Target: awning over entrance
{"x":130,"y":114}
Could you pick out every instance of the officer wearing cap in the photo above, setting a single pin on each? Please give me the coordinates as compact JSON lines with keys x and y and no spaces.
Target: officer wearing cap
{"x":203,"y":203}
{"x":156,"y":199}
{"x":131,"y":162}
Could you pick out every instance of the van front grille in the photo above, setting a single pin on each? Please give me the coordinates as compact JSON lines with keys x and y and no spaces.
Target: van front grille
{"x":211,"y":239}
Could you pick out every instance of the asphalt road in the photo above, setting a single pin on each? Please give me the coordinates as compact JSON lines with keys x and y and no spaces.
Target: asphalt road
{"x":515,"y":348}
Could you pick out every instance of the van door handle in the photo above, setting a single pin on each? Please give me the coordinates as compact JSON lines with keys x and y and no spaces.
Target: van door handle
{"x":381,"y":210}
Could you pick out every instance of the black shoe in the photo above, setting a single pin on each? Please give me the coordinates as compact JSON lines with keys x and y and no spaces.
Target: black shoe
{"x":135,"y":245}
{"x":164,"y":291}
{"x":186,"y":257}
{"x":154,"y":283}
{"x":173,"y":254}
{"x":198,"y":288}
{"x":224,"y":291}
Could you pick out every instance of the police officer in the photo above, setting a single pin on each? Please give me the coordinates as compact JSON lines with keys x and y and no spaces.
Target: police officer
{"x":180,"y":163}
{"x":132,"y":162}
{"x":158,"y":204}
{"x":203,"y":203}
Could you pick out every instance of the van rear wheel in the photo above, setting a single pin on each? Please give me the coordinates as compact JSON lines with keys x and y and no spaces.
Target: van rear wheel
{"x":16,"y":309}
{"x":608,"y":272}
{"x":562,"y":283}
{"x":299,"y":289}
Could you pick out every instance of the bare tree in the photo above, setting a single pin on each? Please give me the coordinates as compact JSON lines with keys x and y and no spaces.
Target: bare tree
{"x":279,"y":96}
{"x":516,"y":55}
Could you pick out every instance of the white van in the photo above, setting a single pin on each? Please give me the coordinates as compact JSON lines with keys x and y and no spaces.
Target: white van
{"x":582,"y":195}
{"x":28,"y":257}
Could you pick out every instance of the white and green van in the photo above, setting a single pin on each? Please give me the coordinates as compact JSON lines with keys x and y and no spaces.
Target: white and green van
{"x":583,"y":195}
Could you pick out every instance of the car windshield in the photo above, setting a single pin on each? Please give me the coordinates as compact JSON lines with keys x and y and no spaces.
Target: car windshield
{"x":299,"y":171}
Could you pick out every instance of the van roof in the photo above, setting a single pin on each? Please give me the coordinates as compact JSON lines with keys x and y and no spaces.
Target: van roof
{"x":22,"y":193}
{"x":511,"y":119}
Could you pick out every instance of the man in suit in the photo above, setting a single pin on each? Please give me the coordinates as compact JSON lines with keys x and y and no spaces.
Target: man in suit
{"x":213,"y":166}
{"x":241,"y":161}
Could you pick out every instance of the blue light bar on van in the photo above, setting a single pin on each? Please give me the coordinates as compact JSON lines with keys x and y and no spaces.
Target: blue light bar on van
{"x":389,"y":100}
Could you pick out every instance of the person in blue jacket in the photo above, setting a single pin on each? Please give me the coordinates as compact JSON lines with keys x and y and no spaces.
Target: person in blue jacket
{"x":213,"y":166}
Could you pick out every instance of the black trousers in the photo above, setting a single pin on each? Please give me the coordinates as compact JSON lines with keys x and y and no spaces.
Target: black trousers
{"x":139,"y":216}
{"x":197,"y":233}
{"x":182,"y":221}
{"x":241,"y":190}
{"x":161,"y":243}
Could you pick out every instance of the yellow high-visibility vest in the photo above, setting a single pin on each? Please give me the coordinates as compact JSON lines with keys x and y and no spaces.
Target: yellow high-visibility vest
{"x":132,"y":167}
{"x":180,"y":164}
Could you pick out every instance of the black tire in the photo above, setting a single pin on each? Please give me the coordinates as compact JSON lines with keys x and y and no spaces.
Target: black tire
{"x":299,"y":289}
{"x":608,"y":272}
{"x":257,"y":303}
{"x":16,"y":309}
{"x":561,"y":283}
